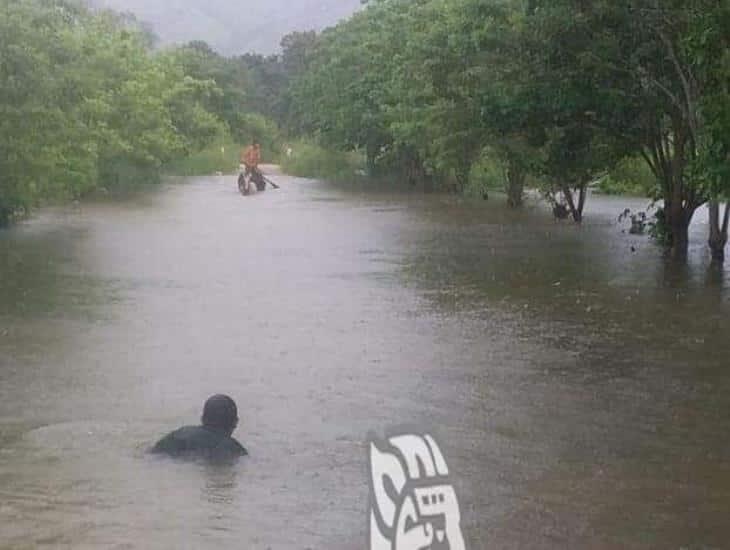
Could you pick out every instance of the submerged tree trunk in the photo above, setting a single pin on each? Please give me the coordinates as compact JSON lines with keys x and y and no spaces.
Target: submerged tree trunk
{"x":718,"y":231}
{"x":576,"y":209}
{"x":680,"y":239}
{"x":678,"y":219}
{"x":414,"y":170}
{"x":667,"y":157}
{"x":371,"y":158}
{"x":462,"y":178}
{"x":679,"y":212}
{"x":515,"y":185}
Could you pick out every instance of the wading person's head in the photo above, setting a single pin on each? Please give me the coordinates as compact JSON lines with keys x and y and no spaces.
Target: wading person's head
{"x":220,"y":414}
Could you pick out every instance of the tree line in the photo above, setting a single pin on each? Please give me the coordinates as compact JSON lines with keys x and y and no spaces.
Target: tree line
{"x":558,"y":91}
{"x":88,"y":101}
{"x":82,"y":100}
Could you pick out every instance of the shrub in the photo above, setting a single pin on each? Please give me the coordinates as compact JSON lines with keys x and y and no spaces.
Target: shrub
{"x":216,"y":158}
{"x":631,"y":176}
{"x":312,"y":161}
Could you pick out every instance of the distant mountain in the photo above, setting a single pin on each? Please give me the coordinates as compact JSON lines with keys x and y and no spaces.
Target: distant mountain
{"x":234,"y":26}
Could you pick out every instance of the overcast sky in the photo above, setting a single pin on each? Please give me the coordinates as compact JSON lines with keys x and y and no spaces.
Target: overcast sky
{"x":234,"y":26}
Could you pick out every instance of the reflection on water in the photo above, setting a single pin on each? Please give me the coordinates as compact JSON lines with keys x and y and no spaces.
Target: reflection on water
{"x":576,"y":380}
{"x":220,"y":486}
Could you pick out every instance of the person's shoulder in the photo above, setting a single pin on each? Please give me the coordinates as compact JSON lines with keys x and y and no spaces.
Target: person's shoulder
{"x":199,"y":441}
{"x":175,"y":441}
{"x":186,"y":432}
{"x":234,"y":447}
{"x":189,"y":430}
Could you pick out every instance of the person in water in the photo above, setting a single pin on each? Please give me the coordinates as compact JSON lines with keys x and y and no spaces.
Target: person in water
{"x":212,"y":439}
{"x":250,"y":160}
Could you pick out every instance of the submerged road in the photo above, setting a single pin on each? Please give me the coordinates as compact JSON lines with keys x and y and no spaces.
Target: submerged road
{"x":579,"y":390}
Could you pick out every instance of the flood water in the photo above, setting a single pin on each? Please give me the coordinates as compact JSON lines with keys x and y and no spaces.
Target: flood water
{"x":578,"y":388}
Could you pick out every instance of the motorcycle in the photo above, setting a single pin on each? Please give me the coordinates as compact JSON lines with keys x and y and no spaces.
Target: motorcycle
{"x":250,"y":181}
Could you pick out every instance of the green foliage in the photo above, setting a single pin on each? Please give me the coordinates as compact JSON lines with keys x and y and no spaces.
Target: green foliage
{"x":251,"y":93}
{"x":436,"y":95}
{"x":631,"y":176}
{"x":707,"y":44}
{"x":487,"y":174}
{"x":255,"y":127}
{"x":659,"y":229}
{"x":640,"y":85}
{"x":563,"y":92}
{"x":220,"y":157}
{"x":312,"y":161}
{"x":558,"y":89}
{"x":83,"y":102}
{"x":340,"y":99}
{"x":230,"y":81}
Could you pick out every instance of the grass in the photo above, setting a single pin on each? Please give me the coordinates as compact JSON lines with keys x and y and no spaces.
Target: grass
{"x":631,"y":177}
{"x":214,"y":159}
{"x":312,"y":161}
{"x":487,"y":175}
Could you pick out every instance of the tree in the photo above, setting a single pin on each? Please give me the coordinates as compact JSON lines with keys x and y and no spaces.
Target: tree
{"x":572,"y":97}
{"x":297,"y":49}
{"x":562,"y":89}
{"x":708,"y":47}
{"x":266,"y":85}
{"x":340,"y":97}
{"x":229,"y":81}
{"x":84,"y":101}
{"x":432,"y":107}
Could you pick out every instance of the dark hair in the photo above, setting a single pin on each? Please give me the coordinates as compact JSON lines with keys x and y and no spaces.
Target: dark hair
{"x":220,"y":413}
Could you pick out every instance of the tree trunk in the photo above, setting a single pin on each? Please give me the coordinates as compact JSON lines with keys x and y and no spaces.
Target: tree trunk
{"x":679,"y":215}
{"x":4,"y":216}
{"x":680,"y":203}
{"x":576,"y":210}
{"x":678,"y":221}
{"x":515,"y":185}
{"x":680,"y":240}
{"x":583,"y":193}
{"x":371,"y":158}
{"x":718,"y":231}
{"x":461,"y":174}
{"x":415,"y":172}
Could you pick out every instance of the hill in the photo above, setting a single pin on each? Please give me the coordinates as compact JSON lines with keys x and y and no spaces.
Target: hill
{"x":234,"y":26}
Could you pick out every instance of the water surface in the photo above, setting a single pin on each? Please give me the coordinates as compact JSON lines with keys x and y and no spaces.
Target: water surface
{"x":576,"y":381}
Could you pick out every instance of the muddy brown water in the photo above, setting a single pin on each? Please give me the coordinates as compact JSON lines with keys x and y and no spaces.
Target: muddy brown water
{"x":579,"y":389}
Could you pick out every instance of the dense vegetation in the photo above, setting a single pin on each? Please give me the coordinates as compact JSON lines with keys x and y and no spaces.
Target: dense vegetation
{"x":568,"y":92}
{"x":458,"y":94}
{"x":84,"y":102}
{"x":313,"y":161}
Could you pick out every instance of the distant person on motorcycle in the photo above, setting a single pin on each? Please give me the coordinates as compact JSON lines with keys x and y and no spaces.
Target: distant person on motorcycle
{"x":250,"y":159}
